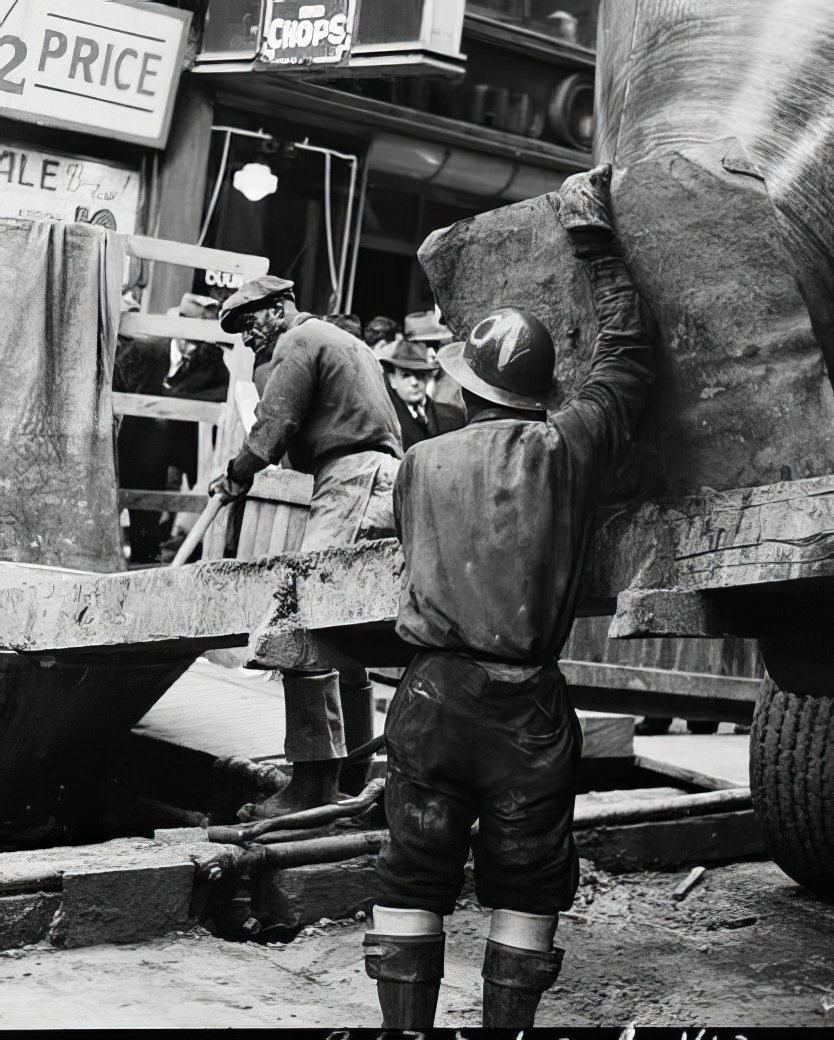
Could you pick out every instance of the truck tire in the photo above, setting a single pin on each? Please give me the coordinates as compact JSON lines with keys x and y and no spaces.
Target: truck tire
{"x":792,"y":782}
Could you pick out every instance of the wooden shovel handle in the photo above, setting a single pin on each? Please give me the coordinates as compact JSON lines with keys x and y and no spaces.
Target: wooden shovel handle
{"x":195,"y":535}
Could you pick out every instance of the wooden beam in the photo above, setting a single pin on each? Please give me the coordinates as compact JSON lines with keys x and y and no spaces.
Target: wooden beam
{"x":148,"y":406}
{"x":161,"y":501}
{"x":183,"y":254}
{"x":168,"y":326}
{"x":669,"y":843}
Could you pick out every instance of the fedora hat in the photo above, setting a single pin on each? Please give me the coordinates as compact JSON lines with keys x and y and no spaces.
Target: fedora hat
{"x":414,"y":357}
{"x":425,"y":326}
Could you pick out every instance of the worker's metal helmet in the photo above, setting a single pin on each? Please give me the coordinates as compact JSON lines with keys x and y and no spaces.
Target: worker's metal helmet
{"x":508,"y":358}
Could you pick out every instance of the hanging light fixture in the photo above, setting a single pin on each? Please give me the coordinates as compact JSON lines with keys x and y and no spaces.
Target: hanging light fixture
{"x":255,"y":181}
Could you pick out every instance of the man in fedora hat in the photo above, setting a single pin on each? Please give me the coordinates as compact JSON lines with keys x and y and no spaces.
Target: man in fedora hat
{"x":426,"y":327}
{"x":409,"y":369}
{"x":326,"y":407}
{"x":494,"y":521}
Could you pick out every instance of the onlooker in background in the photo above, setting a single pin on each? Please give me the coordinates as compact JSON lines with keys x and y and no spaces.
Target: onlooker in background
{"x":425,"y":327}
{"x":349,"y":322}
{"x":382,"y":332}
{"x":408,"y":369}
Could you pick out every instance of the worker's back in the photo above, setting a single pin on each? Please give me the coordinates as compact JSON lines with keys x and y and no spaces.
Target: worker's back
{"x":493,"y":521}
{"x":325,"y":397}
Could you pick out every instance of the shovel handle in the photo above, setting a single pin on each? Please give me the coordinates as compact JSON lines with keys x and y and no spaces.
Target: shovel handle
{"x":195,"y":535}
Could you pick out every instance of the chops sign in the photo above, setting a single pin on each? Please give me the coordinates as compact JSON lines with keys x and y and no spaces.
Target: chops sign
{"x":306,"y":34}
{"x":102,"y":67}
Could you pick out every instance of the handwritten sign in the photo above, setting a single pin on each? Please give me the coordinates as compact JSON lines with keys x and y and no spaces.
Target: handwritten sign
{"x":306,"y":34}
{"x":49,"y":186}
{"x":92,"y":65}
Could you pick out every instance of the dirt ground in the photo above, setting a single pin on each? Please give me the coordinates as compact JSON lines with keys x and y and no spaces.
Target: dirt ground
{"x":746,"y":946}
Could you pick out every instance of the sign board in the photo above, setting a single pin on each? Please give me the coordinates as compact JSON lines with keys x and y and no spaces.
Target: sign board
{"x":98,"y":66}
{"x":50,"y":186}
{"x":308,"y":34}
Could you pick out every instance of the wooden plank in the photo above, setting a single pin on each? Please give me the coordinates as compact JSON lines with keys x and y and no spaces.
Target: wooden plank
{"x":161,"y":501}
{"x":249,"y":524}
{"x":184,"y":255}
{"x":606,"y":736}
{"x":295,"y":529}
{"x":304,"y":895}
{"x":167,"y":326}
{"x":263,"y":530}
{"x":665,"y":680}
{"x":669,"y":843}
{"x":278,"y":484}
{"x":674,"y":808}
{"x":683,"y":775}
{"x":725,"y":756}
{"x":149,"y":406}
{"x":246,"y":399}
{"x":660,"y":691}
{"x":280,"y":527}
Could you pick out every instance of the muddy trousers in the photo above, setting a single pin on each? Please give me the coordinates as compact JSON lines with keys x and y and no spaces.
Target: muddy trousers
{"x":328,"y":714}
{"x":463,"y":747}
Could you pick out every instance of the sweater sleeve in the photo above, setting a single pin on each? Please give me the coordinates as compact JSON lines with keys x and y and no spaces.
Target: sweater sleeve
{"x":287,"y":398}
{"x":602,"y":418}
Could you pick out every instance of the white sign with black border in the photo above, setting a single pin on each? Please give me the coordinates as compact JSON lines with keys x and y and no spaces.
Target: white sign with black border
{"x":105,"y":67}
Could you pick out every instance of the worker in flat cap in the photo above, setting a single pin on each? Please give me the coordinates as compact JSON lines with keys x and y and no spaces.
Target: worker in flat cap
{"x":325,"y":407}
{"x":494,"y":522}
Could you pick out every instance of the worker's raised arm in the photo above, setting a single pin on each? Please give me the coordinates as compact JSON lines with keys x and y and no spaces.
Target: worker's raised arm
{"x":607,"y":406}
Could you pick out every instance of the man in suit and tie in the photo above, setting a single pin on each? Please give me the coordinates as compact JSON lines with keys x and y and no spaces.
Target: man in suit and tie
{"x":408,"y":368}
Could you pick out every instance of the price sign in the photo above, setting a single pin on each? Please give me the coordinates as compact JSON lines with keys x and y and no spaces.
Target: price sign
{"x":98,"y":66}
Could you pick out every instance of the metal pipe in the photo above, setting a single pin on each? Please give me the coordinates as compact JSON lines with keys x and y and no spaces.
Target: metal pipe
{"x":360,"y":220}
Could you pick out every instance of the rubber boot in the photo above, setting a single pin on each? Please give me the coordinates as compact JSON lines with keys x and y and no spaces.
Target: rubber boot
{"x":408,"y":970}
{"x":357,"y":701}
{"x":514,"y":981}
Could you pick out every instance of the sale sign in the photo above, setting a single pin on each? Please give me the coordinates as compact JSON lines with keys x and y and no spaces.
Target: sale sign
{"x":107,"y":67}
{"x":305,"y":34}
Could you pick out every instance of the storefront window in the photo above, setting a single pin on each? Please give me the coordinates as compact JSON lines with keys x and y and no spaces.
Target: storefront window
{"x":570,"y":21}
{"x":232,"y":26}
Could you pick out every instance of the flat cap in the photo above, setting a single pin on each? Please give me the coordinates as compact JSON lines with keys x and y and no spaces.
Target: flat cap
{"x":253,"y":296}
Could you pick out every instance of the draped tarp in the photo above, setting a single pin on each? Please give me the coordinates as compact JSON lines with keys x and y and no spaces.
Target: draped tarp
{"x":60,"y":289}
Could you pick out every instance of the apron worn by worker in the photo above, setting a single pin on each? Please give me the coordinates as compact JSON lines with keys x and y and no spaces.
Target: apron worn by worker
{"x":352,"y":501}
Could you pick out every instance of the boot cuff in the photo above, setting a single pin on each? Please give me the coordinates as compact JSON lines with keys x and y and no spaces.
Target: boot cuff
{"x":404,"y":958}
{"x":521,"y":969}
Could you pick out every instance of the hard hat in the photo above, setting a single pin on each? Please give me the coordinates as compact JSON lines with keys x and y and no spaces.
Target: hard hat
{"x":508,"y":358}
{"x":256,"y":295}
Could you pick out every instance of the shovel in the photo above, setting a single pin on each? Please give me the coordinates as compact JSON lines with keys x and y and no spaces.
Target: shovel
{"x":195,"y":535}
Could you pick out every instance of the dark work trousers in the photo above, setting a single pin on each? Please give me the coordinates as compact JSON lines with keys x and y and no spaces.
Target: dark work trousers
{"x":463,"y":747}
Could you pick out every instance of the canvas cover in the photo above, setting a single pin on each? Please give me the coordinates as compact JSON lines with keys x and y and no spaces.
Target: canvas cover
{"x":60,"y":289}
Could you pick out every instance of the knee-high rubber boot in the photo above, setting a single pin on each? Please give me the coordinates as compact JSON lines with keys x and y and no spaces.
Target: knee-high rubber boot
{"x":514,"y":981}
{"x":407,"y":969}
{"x":519,"y":965}
{"x":357,"y":699}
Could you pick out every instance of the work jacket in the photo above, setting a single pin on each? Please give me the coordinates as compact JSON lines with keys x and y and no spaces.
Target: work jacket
{"x":495,"y":518}
{"x":325,"y":398}
{"x":440,"y":418}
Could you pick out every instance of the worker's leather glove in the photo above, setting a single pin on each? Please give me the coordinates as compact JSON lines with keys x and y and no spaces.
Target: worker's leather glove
{"x":228,"y":489}
{"x":585,"y":201}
